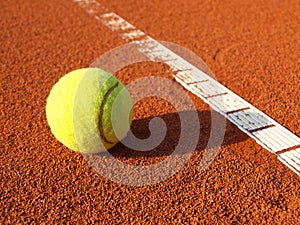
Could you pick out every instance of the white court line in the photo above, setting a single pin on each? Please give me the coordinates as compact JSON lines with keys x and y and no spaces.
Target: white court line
{"x":291,"y":159}
{"x":263,"y":129}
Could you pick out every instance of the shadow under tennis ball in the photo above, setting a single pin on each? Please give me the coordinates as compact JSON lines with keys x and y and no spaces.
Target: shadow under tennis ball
{"x":140,"y":128}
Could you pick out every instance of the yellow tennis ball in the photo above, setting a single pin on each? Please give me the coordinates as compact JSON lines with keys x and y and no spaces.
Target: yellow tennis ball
{"x":89,"y":110}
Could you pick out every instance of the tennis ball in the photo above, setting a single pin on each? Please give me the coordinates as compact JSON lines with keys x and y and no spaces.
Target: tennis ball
{"x":89,"y":110}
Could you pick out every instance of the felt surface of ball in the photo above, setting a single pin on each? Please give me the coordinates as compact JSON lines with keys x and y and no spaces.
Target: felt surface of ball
{"x":89,"y":110}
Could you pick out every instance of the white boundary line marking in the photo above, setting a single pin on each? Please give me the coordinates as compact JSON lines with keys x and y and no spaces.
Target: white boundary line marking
{"x":264,"y":130}
{"x":291,"y":159}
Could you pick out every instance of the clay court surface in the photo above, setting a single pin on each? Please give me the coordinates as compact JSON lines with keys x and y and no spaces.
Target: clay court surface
{"x":252,"y":47}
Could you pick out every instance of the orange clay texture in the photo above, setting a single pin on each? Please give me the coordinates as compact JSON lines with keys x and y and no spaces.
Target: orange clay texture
{"x":252,"y":47}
